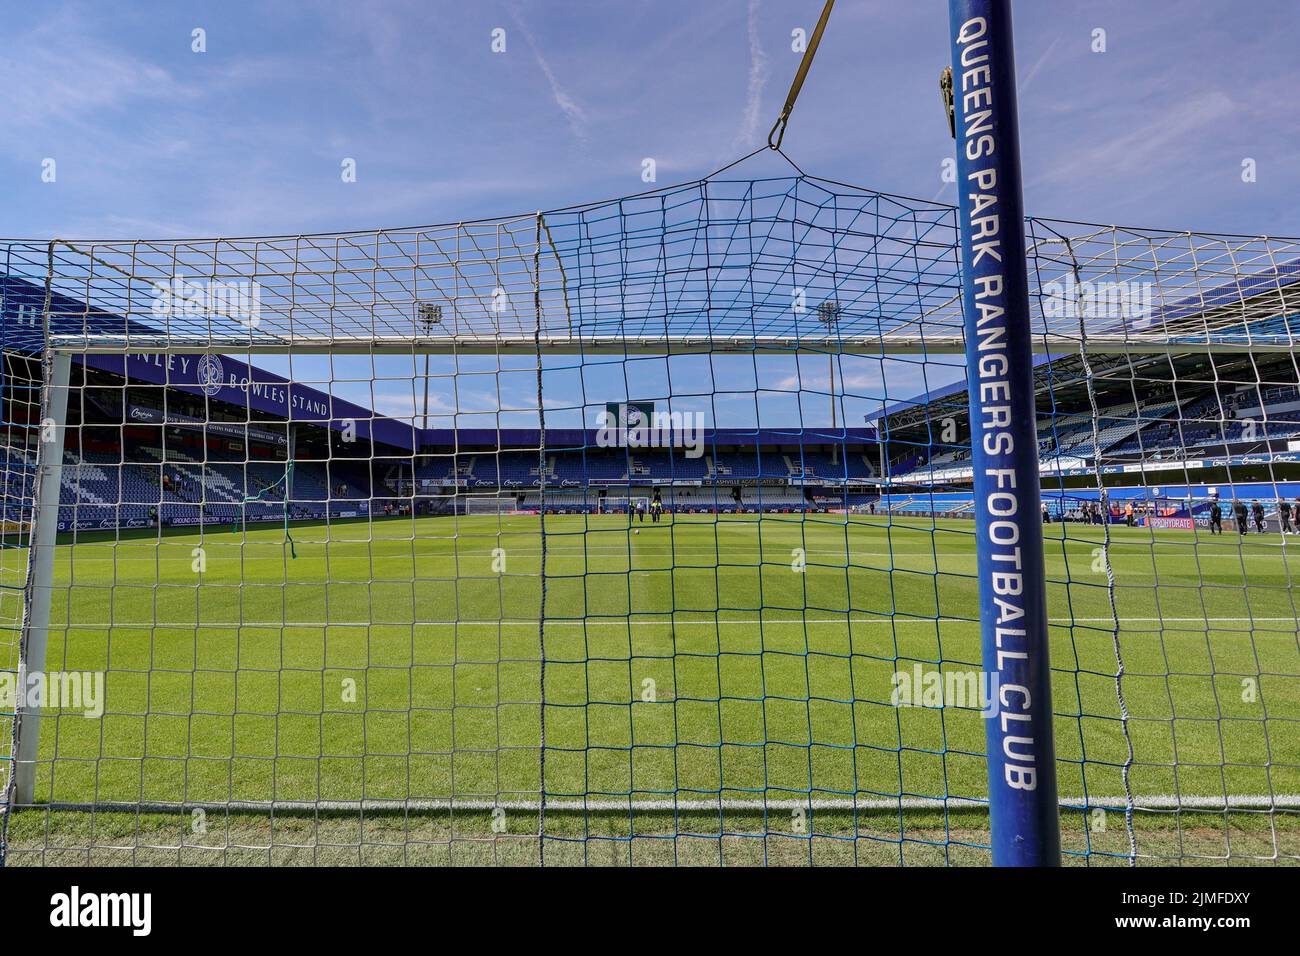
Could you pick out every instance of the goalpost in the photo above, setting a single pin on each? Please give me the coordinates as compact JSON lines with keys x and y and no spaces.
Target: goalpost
{"x":945,"y":680}
{"x":1004,"y":437}
{"x":622,"y":505}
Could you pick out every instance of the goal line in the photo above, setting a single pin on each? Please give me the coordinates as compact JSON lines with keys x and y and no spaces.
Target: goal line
{"x":1155,"y":803}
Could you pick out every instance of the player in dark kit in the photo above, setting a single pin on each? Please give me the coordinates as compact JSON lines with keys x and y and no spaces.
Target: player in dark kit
{"x":1239,"y":513}
{"x":1284,"y":515}
{"x":1216,"y":518}
{"x":1257,"y":512}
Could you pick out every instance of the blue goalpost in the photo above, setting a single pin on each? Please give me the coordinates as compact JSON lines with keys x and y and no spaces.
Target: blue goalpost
{"x":999,"y":360}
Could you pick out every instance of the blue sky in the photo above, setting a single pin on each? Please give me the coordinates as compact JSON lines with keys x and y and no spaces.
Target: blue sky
{"x":154,"y":140}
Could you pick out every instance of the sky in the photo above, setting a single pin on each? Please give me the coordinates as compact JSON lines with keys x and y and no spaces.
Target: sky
{"x":1147,"y":122}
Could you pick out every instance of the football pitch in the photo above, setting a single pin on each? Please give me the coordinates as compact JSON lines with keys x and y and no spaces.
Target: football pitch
{"x":717,"y":688}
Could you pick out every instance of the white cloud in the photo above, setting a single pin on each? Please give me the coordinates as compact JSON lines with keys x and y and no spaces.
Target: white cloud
{"x":573,"y":113}
{"x":56,"y":74}
{"x":1033,"y":71}
{"x":758,"y":73}
{"x":1152,"y":144}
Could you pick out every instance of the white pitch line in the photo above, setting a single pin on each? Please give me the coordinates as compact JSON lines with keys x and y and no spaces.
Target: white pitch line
{"x":1155,"y":804}
{"x":486,"y":556}
{"x":613,"y":621}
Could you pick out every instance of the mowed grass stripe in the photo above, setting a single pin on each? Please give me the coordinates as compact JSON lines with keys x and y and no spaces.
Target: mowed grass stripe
{"x":764,"y":681}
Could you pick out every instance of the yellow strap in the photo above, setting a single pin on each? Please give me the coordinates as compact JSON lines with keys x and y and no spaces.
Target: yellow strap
{"x":778,"y":128}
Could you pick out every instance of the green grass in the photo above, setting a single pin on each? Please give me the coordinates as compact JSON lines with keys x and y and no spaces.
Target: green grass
{"x":769,"y":687}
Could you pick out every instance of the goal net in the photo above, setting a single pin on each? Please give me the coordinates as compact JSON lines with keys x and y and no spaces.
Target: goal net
{"x":489,"y":505}
{"x":263,"y":629}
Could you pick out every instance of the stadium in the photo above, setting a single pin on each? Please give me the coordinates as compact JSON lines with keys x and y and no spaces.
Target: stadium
{"x":1172,"y":432}
{"x":177,"y":440}
{"x":757,"y":519}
